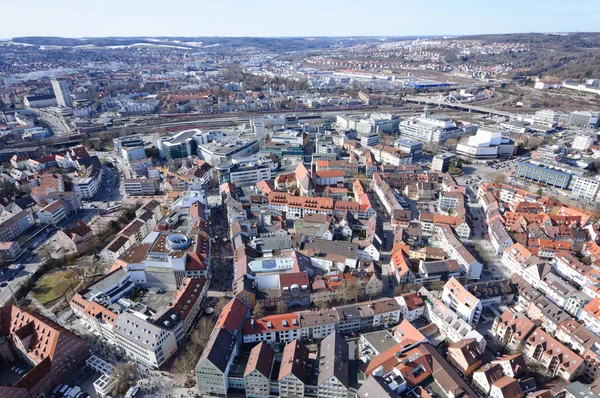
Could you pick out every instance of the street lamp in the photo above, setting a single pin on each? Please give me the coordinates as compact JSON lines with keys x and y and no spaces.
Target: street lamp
{"x":5,"y":284}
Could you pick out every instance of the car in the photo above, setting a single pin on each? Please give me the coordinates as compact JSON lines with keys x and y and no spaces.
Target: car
{"x":20,"y":267}
{"x":12,"y":278}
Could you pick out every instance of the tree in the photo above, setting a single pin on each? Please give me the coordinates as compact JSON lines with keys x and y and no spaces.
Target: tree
{"x":220,"y":306}
{"x":124,"y":377}
{"x":348,"y":291}
{"x":498,"y":177}
{"x":258,"y":311}
{"x":437,"y":285}
{"x":452,"y":142}
{"x":321,"y":301}
{"x":539,"y":192}
{"x":406,"y":288}
{"x":282,"y":307}
{"x":202,"y":331}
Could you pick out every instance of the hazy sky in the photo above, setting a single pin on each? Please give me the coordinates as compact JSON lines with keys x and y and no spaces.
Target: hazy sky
{"x":79,"y":18}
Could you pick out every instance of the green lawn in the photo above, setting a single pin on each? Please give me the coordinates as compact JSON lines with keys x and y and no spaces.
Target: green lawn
{"x":45,"y":291}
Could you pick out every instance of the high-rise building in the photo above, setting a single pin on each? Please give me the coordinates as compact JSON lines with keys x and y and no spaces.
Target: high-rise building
{"x":62,"y":92}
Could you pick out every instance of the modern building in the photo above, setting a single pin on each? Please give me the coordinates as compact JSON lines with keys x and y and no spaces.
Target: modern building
{"x":585,"y":188}
{"x":85,"y":187}
{"x":441,"y":162}
{"x":128,"y":145}
{"x":39,"y":101}
{"x":54,"y":213}
{"x":488,"y":143}
{"x":218,"y":152}
{"x":62,"y":93}
{"x":543,"y":175}
{"x":13,"y":227}
{"x":412,"y":147}
{"x":430,"y":129}
{"x":459,"y":299}
{"x":582,"y":142}
{"x":140,"y":186}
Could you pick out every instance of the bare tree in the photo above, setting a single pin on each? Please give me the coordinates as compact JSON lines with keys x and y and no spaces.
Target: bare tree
{"x":498,"y":177}
{"x":321,"y":301}
{"x":258,"y":311}
{"x":124,"y":377}
{"x":282,"y":307}
{"x":202,"y":331}
{"x":348,"y":291}
{"x":220,"y":306}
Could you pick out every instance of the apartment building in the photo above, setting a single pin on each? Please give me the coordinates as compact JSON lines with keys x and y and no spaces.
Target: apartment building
{"x":455,"y":249}
{"x":257,"y":375}
{"x":54,"y":213}
{"x":557,"y":359}
{"x":333,"y":379}
{"x":570,"y":268}
{"x":293,"y":370}
{"x":53,"y":353}
{"x":590,"y":316}
{"x":77,"y":238}
{"x":459,"y":299}
{"x":13,"y":227}
{"x":85,"y":187}
{"x":512,"y":329}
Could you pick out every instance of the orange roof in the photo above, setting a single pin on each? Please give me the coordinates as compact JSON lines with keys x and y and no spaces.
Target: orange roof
{"x":593,"y":308}
{"x":233,"y":316}
{"x":188,"y":294}
{"x":329,"y":174}
{"x":460,"y":292}
{"x":272,"y":323}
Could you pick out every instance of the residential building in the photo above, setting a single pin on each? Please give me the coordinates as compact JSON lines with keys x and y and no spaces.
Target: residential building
{"x":13,"y":227}
{"x":557,"y":359}
{"x":465,"y":355}
{"x":333,"y":379}
{"x":9,"y":251}
{"x":54,"y":213}
{"x":258,"y":371}
{"x":512,"y":329}
{"x":293,"y":370}
{"x":77,"y":238}
{"x":458,"y":298}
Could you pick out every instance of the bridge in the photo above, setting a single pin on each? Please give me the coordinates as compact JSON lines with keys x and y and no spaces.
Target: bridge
{"x":451,"y":102}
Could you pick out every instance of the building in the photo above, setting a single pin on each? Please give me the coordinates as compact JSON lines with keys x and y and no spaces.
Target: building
{"x":333,"y":379}
{"x":131,"y":145}
{"x":54,"y":213}
{"x":13,"y":227}
{"x":488,"y":143}
{"x":441,"y":162}
{"x":257,"y":375}
{"x":150,"y":344}
{"x":9,"y":251}
{"x":512,"y":329}
{"x":180,"y":145}
{"x":218,"y":152}
{"x":459,"y":299}
{"x":557,"y":359}
{"x":543,"y":175}
{"x":140,"y":186}
{"x":582,"y":142}
{"x":466,"y":356}
{"x":455,"y":250}
{"x":39,"y":101}
{"x":293,"y":370}
{"x":430,"y":129}
{"x":413,"y":147}
{"x":77,"y":238}
{"x":62,"y":92}
{"x":85,"y":187}
{"x":214,"y":364}
{"x":585,"y":188}
{"x":53,"y":353}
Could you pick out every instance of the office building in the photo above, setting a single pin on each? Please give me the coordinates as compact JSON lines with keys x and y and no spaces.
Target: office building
{"x":543,"y":175}
{"x":585,"y":188}
{"x":39,"y":101}
{"x":428,"y":129}
{"x":215,"y":153}
{"x":140,"y":186}
{"x":131,"y":143}
{"x":85,"y":187}
{"x":441,"y":162}
{"x":410,"y":146}
{"x":62,"y":93}
{"x":582,"y":142}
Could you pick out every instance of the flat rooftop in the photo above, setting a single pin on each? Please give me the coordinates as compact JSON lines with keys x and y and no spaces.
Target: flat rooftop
{"x":104,"y":284}
{"x":156,"y":299}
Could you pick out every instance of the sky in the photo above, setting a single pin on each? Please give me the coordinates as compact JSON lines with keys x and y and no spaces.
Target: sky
{"x":267,"y":18}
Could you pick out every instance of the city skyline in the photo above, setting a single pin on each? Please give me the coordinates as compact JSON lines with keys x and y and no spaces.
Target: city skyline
{"x":261,"y":19}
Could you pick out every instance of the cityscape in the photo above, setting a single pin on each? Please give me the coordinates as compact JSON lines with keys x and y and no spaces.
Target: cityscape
{"x":365,"y":216}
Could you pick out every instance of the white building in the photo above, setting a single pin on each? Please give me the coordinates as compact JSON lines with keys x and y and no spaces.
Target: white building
{"x":585,"y":188}
{"x":140,"y":186}
{"x":487,"y":143}
{"x":62,"y":93}
{"x":582,"y":142}
{"x":458,"y":298}
{"x":85,"y":187}
{"x":54,"y":213}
